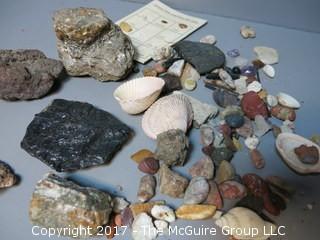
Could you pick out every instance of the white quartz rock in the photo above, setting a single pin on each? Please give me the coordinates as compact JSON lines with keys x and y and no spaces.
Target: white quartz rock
{"x":176,"y":68}
{"x":163,"y":212}
{"x":251,"y":142}
{"x":209,"y":39}
{"x":269,"y":71}
{"x":143,"y":228}
{"x":255,"y":86}
{"x":266,"y":54}
{"x":288,"y":101}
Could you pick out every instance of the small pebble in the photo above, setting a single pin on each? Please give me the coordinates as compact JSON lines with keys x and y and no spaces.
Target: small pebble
{"x":269,"y":71}
{"x":225,"y":172}
{"x":233,"y":53}
{"x":159,"y":67}
{"x":235,"y":120}
{"x":206,"y":135}
{"x":307,"y":154}
{"x":176,"y":68}
{"x":197,"y":191}
{"x":253,"y":105}
{"x":276,"y":130}
{"x":224,"y":98}
{"x":203,"y":168}
{"x":241,"y":85}
{"x":251,"y":142}
{"x":7,"y":176}
{"x":209,"y":39}
{"x":214,"y":196}
{"x":257,"y":158}
{"x":147,"y":188}
{"x":149,"y":165}
{"x":247,"y":32}
{"x":126,"y":217}
{"x":232,"y":190}
{"x":118,"y":220}
{"x":266,"y":54}
{"x":163,"y":212}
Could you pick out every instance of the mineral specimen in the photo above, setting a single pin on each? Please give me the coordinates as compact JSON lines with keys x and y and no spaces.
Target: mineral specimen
{"x":197,"y":191}
{"x":225,"y":172}
{"x":147,"y":188}
{"x":171,"y":183}
{"x":143,"y":228}
{"x":149,"y":165}
{"x":214,"y":196}
{"x":172,"y":147}
{"x":195,"y":212}
{"x":70,"y":135}
{"x":163,"y":212}
{"x":307,"y":154}
{"x":91,"y":44}
{"x":27,"y":74}
{"x":59,"y":203}
{"x":7,"y":177}
{"x":253,"y":105}
{"x":203,"y":168}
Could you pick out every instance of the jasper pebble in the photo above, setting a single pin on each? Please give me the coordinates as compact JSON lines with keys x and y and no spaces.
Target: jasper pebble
{"x":251,"y":142}
{"x":206,"y":135}
{"x":266,"y":54}
{"x":203,"y":168}
{"x":147,"y":187}
{"x":272,"y":100}
{"x":288,"y":101}
{"x":209,"y":39}
{"x":255,"y":86}
{"x":225,"y":172}
{"x":141,"y":154}
{"x":139,"y":226}
{"x":283,"y":113}
{"x":253,"y":105}
{"x":149,"y":165}
{"x":7,"y":176}
{"x":197,"y":191}
{"x":163,"y":212}
{"x":269,"y":71}
{"x":195,"y":212}
{"x":232,"y":190}
{"x":307,"y":154}
{"x":257,"y":158}
{"x":247,"y":32}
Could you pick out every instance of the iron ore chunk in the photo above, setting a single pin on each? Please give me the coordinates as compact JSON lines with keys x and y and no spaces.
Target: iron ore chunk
{"x":70,"y":135}
{"x":27,"y":74}
{"x":59,"y":203}
{"x":204,"y":57}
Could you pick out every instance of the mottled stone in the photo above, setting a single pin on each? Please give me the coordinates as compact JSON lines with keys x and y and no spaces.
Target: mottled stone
{"x":247,"y":32}
{"x":266,"y":54}
{"x":283,"y":113}
{"x":149,"y":165}
{"x":214,"y":196}
{"x":59,"y":203}
{"x":171,"y":183}
{"x":119,"y":204}
{"x":235,"y":120}
{"x":171,"y":83}
{"x":261,"y":126}
{"x":307,"y":154}
{"x":203,"y":168}
{"x":127,"y":217}
{"x":220,"y":154}
{"x":69,"y":135}
{"x":257,"y":158}
{"x":224,"y":98}
{"x":7,"y":176}
{"x":253,"y":105}
{"x":163,"y":212}
{"x":232,"y":190}
{"x":176,"y":68}
{"x":146,"y":189}
{"x":225,"y":172}
{"x":89,"y":43}
{"x":27,"y":74}
{"x":197,"y":191}
{"x":172,"y":147}
{"x":204,"y":57}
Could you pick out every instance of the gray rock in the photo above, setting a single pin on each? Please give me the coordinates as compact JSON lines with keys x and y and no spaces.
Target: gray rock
{"x":225,"y":172}
{"x":91,"y":44}
{"x":27,"y":74}
{"x":59,"y":203}
{"x":203,"y":168}
{"x":147,"y":188}
{"x":70,"y":135}
{"x":7,"y":176}
{"x":197,"y":191}
{"x":172,"y":147}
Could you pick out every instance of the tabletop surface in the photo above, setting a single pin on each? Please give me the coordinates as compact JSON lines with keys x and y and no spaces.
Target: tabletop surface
{"x":28,"y":24}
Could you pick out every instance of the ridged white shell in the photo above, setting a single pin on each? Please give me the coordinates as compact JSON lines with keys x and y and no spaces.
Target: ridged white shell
{"x":169,"y":112}
{"x":287,"y":100}
{"x":245,"y":220}
{"x":138,"y":94}
{"x":286,"y":143}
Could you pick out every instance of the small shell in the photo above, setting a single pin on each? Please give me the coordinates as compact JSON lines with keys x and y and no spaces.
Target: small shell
{"x":138,"y":94}
{"x":288,"y":101}
{"x":286,"y":143}
{"x":272,"y":101}
{"x":170,"y":112}
{"x":269,"y":71}
{"x":247,"y":32}
{"x":245,"y":219}
{"x":163,"y":212}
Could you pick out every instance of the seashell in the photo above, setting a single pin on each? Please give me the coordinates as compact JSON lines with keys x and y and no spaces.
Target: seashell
{"x":286,"y":143}
{"x":163,"y":212}
{"x":269,"y":71}
{"x":138,"y":94}
{"x":195,"y":212}
{"x":272,"y":101}
{"x":288,"y":101}
{"x":255,"y":86}
{"x":142,"y":222}
{"x":169,"y":112}
{"x":243,"y":218}
{"x":266,"y":54}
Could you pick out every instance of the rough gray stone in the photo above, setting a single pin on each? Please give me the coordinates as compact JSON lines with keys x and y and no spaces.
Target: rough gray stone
{"x":7,"y":176}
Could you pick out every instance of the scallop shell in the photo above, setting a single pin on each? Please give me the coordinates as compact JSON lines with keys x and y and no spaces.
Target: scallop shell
{"x":245,"y":220}
{"x":288,"y":101}
{"x":170,"y":112}
{"x":138,"y":94}
{"x":286,"y":143}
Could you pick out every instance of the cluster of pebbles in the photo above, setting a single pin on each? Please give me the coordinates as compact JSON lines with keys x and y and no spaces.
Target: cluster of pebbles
{"x":70,"y":135}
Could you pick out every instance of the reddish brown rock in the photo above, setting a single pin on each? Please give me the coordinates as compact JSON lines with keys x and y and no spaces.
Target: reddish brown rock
{"x":127,"y":217}
{"x":252,"y":105}
{"x":257,"y":158}
{"x":203,"y":168}
{"x":149,"y":165}
{"x":232,"y":190}
{"x":214,"y":196}
{"x":307,"y":154}
{"x":283,"y":113}
{"x":208,"y":150}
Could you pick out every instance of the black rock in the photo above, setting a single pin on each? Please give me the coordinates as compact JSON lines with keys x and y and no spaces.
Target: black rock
{"x":213,"y":76}
{"x":224,"y":98}
{"x":254,"y":203}
{"x":70,"y":135}
{"x":233,"y":72}
{"x":204,"y":57}
{"x":172,"y":83}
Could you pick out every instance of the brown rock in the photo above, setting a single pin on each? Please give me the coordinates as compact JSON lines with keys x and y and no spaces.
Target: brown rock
{"x":111,"y":228}
{"x":7,"y":176}
{"x":225,"y":172}
{"x":253,"y":105}
{"x":258,"y":64}
{"x":281,"y":184}
{"x":149,"y":165}
{"x":257,"y":158}
{"x":214,"y":196}
{"x":137,"y":208}
{"x":203,"y":168}
{"x":283,"y":113}
{"x":307,"y":154}
{"x":141,"y":155}
{"x":146,"y":188}
{"x":232,"y":190}
{"x":118,"y":220}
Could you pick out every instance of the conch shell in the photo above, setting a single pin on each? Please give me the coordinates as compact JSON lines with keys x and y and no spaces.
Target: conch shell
{"x":241,"y":221}
{"x":169,"y":112}
{"x":138,"y":94}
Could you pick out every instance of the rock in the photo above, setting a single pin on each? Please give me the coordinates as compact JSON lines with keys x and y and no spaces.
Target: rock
{"x":272,"y":101}
{"x":195,"y":212}
{"x":189,"y":77}
{"x":257,"y":158}
{"x":288,"y":101}
{"x":69,"y":135}
{"x":225,"y":172}
{"x":162,"y":227}
{"x":266,"y":54}
{"x":7,"y":176}
{"x":241,"y":85}
{"x":147,"y":188}
{"x":208,"y":150}
{"x":209,"y":39}
{"x":204,"y":57}
{"x":27,"y":74}
{"x":224,"y":98}
{"x":149,"y":72}
{"x":234,"y":120}
{"x":140,"y":155}
{"x":220,"y":154}
{"x":111,"y":226}
{"x":159,"y":67}
{"x":269,"y":71}
{"x":238,"y":62}
{"x":248,"y":71}
{"x":261,"y":126}
{"x":247,"y":32}
{"x":251,"y":202}
{"x":125,"y":27}
{"x":255,"y":86}
{"x":232,"y":190}
{"x":137,"y":208}
{"x":197,"y":191}
{"x":232,"y":109}
{"x":214,"y":196}
{"x":281,"y":184}
{"x":233,"y":53}
{"x":163,"y":53}
{"x":59,"y":203}
{"x":226,"y":77}
{"x":263,"y":95}
{"x":206,"y":135}
{"x":119,"y":204}
{"x":253,"y":105}
{"x":172,"y":147}
{"x":258,"y":64}
{"x":203,"y":168}
{"x":276,"y":130}
{"x":246,"y":130}
{"x":143,"y":228}
{"x":91,"y":44}
{"x":171,"y":83}
{"x":149,"y":165}
{"x":283,"y":113}
{"x":171,"y":183}
{"x":118,"y":220}
{"x":251,"y":142}
{"x":176,"y":68}
{"x":163,"y":212}
{"x":307,"y":154}
{"x":126,"y":217}
{"x":236,"y":144}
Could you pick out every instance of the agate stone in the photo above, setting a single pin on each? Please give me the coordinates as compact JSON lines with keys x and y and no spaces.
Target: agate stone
{"x":70,"y":135}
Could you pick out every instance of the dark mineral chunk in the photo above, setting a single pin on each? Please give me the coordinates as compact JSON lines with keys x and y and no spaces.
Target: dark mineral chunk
{"x":171,"y":83}
{"x":27,"y":74}
{"x":70,"y":135}
{"x":204,"y":57}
